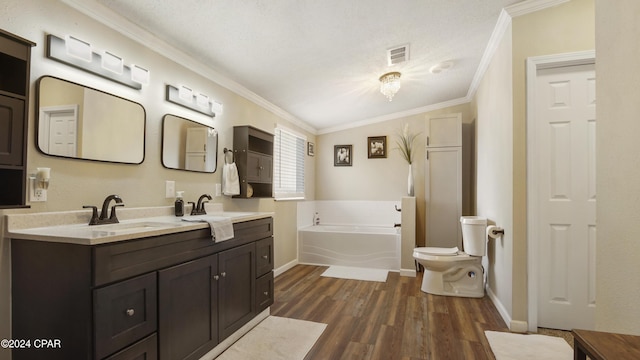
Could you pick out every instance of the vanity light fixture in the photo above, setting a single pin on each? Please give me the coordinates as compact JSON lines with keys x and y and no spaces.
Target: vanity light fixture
{"x":140,"y":74}
{"x":196,"y":101}
{"x":112,"y":62}
{"x":78,"y":48}
{"x":79,"y":54}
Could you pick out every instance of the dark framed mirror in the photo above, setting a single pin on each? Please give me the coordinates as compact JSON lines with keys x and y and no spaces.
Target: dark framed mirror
{"x":79,"y":122}
{"x":189,"y":145}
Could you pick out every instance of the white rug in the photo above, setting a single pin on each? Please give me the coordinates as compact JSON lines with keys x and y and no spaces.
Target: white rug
{"x":355,"y":273}
{"x":508,"y":346}
{"x":276,"y":338}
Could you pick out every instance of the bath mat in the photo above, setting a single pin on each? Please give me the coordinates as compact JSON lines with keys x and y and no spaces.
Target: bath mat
{"x":356,"y":273}
{"x":276,"y":338}
{"x":508,"y":346}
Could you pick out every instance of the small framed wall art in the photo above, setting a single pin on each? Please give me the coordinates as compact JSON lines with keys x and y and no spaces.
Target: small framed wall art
{"x":311,"y":148}
{"x":342,"y":155}
{"x":377,"y":147}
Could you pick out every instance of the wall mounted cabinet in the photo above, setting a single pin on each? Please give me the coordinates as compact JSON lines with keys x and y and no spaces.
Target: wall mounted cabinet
{"x":15,"y":59}
{"x":253,"y":151}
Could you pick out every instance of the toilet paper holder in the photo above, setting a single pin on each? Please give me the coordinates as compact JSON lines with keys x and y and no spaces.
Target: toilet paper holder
{"x":494,"y":231}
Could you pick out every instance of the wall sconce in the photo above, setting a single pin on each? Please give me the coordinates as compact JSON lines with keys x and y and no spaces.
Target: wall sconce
{"x":186,"y":97}
{"x":77,"y":53}
{"x":39,"y":184}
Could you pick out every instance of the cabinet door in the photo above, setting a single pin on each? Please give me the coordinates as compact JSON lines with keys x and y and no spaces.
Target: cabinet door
{"x":266,"y":169}
{"x":253,"y":166}
{"x":264,"y":292}
{"x":11,"y":130}
{"x":146,"y":349}
{"x":188,"y":309}
{"x":237,"y":284}
{"x":443,"y":195}
{"x":444,"y":130}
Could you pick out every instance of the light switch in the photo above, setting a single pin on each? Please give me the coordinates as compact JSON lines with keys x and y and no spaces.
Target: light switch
{"x":170,"y":189}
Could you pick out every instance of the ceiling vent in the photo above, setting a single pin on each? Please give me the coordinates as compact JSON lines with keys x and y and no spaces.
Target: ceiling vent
{"x":397,"y":55}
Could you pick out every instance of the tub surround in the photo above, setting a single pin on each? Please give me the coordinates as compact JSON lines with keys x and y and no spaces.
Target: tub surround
{"x":72,"y":226}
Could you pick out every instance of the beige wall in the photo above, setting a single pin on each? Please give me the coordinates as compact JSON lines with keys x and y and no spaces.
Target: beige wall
{"x":618,"y":156}
{"x":494,"y":122}
{"x":75,"y":183}
{"x":377,"y":179}
{"x":565,"y":28}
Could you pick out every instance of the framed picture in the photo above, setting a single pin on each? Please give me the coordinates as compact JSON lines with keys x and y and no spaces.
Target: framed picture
{"x":377,"y":147}
{"x":310,"y":148}
{"x":342,"y":155}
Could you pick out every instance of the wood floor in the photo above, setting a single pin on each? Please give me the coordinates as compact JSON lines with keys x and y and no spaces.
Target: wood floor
{"x":392,"y":320}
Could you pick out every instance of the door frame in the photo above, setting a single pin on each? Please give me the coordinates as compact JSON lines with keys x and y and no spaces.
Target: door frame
{"x":534,"y":64}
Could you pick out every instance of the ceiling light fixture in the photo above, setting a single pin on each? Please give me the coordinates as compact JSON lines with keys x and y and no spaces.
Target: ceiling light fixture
{"x":390,"y":84}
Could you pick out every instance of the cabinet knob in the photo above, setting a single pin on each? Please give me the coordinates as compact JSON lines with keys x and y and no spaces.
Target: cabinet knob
{"x":266,"y":293}
{"x":265,"y":257}
{"x":223,"y":274}
{"x":130,"y":312}
{"x":216,"y":277}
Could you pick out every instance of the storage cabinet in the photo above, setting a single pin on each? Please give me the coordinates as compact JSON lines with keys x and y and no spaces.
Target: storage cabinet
{"x":15,"y":58}
{"x":169,"y":297}
{"x":253,"y":151}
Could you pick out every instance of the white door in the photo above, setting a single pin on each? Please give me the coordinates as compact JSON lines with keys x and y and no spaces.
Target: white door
{"x":61,"y":128}
{"x":565,"y":123}
{"x":443,"y":196}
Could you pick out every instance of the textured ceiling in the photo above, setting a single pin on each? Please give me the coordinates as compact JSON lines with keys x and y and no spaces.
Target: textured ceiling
{"x":320,"y":60}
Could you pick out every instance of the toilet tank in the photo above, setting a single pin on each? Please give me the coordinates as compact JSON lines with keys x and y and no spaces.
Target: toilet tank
{"x":474,"y":235}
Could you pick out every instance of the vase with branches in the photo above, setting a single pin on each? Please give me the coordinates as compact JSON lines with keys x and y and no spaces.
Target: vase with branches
{"x":405,"y":143}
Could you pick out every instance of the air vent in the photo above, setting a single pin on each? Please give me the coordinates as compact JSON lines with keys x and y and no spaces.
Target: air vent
{"x":398,"y":55}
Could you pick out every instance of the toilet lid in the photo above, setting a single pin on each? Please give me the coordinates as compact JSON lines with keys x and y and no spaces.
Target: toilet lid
{"x":439,"y":251}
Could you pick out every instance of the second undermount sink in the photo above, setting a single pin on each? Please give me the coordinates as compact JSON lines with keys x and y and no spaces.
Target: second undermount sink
{"x":133,"y":226}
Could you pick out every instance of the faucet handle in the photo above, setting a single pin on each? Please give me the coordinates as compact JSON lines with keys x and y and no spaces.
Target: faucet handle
{"x":94,"y":215}
{"x":113,"y":216}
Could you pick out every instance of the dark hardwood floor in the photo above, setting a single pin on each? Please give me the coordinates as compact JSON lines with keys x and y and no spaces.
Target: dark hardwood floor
{"x":392,"y":320}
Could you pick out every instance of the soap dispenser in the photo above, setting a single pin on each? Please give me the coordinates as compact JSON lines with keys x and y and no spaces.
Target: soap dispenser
{"x":179,"y":205}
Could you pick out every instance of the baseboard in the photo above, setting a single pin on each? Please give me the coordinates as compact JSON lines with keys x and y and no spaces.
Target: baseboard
{"x":408,"y":272}
{"x":514,"y":325}
{"x":277,"y":272}
{"x":519,"y":326}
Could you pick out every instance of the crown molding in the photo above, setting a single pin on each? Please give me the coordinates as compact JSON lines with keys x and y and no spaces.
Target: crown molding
{"x":132,"y":31}
{"x":529,"y":6}
{"x":394,"y":116}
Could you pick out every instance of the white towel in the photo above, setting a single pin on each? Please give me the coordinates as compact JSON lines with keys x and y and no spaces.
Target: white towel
{"x":221,"y":226}
{"x":230,"y":179}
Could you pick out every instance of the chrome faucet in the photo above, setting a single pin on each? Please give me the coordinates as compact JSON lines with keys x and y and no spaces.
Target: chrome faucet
{"x":198,"y":209}
{"x":103,"y":219}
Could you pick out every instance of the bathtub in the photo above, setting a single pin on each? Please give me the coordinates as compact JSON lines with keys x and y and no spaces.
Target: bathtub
{"x":350,"y":245}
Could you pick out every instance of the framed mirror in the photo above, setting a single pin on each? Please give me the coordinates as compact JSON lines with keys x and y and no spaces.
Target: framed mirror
{"x":76,"y":121}
{"x":189,"y":145}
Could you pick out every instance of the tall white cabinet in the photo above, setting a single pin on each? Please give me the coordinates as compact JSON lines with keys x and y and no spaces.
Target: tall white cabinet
{"x":443,"y":180}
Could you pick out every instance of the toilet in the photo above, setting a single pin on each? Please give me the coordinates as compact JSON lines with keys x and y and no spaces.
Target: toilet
{"x":451,"y":272}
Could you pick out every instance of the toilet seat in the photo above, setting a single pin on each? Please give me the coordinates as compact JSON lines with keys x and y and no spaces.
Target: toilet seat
{"x":442,"y":254}
{"x":439,"y":251}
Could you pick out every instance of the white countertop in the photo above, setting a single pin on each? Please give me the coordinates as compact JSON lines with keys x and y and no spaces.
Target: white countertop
{"x":69,"y":229}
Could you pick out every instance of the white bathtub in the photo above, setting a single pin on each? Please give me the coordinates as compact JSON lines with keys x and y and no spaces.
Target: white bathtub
{"x":350,"y":245}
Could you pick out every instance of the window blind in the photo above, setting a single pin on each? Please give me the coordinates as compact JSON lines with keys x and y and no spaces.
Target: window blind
{"x":288,"y":167}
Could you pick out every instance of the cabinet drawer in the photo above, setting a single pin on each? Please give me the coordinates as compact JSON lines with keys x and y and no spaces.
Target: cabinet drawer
{"x":124,"y":313}
{"x":264,"y":292}
{"x":264,"y":256}
{"x":146,"y":349}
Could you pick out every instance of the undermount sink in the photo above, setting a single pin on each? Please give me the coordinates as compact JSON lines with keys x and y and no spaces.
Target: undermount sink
{"x":131,"y":227}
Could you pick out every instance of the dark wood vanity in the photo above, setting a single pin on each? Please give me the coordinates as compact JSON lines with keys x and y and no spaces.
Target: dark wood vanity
{"x":173,"y":296}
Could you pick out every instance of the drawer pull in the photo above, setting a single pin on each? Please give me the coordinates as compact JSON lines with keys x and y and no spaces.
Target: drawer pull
{"x":216,"y":277}
{"x":130,"y":312}
{"x":266,"y":293}
{"x":223,"y":274}
{"x":265,"y":257}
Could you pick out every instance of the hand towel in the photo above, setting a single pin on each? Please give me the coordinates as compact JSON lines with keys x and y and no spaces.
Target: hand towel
{"x":230,"y":180}
{"x":221,"y":226}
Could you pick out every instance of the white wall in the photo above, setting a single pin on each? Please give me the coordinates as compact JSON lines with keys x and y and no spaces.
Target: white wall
{"x":75,"y":183}
{"x":618,"y":173}
{"x":494,"y":141}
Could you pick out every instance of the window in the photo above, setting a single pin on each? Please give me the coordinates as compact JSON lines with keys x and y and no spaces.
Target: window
{"x":288,"y":164}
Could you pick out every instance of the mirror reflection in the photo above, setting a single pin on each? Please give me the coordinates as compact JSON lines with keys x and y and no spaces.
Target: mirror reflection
{"x":76,"y":121}
{"x":188,"y":145}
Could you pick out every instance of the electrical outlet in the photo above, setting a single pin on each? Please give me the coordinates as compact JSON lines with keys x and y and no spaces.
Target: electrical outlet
{"x":38,"y":195}
{"x":170,"y":189}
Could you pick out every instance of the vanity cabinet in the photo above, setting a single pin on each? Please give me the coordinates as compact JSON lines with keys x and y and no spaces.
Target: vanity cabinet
{"x":253,"y":151}
{"x":15,"y":59}
{"x":162,"y":297}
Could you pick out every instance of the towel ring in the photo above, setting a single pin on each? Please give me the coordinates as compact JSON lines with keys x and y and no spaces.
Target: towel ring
{"x":226,"y":151}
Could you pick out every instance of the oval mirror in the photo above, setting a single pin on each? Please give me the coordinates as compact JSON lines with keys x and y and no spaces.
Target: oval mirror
{"x":188,"y":145}
{"x":75,"y":121}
